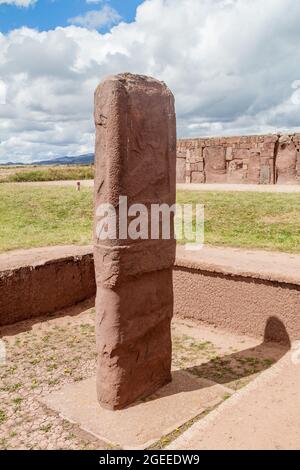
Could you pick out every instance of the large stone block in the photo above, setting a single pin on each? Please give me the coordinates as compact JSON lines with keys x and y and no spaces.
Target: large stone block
{"x":198,"y":177}
{"x":215,"y":164}
{"x":253,"y":174}
{"x":180,"y":170}
{"x":286,"y":161}
{"x":241,"y":153}
{"x":235,"y":172}
{"x":135,"y":157}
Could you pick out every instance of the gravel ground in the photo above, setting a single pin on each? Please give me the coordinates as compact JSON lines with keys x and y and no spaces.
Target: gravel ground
{"x":42,"y":356}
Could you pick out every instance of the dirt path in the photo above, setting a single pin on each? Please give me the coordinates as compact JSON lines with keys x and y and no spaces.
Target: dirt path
{"x":264,"y":415}
{"x":253,"y":188}
{"x":83,"y":183}
{"x":267,"y":265}
{"x":18,"y":258}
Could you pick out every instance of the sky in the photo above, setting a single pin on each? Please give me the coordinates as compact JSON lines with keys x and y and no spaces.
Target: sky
{"x":233,"y":66}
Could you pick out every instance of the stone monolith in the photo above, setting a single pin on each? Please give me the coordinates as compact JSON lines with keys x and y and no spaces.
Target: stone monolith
{"x":135,"y":157}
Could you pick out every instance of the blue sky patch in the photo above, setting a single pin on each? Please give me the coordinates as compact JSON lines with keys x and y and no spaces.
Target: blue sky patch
{"x":48,"y":14}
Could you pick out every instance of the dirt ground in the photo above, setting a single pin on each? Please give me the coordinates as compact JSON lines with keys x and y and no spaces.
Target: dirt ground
{"x":260,"y":188}
{"x":44,"y":355}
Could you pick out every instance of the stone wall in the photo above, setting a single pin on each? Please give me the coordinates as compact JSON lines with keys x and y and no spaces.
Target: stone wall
{"x":41,"y":281}
{"x":222,"y":294}
{"x":264,"y":159}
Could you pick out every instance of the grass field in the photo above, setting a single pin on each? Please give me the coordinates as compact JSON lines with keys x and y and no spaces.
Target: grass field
{"x":32,"y":217}
{"x":42,"y":216}
{"x":48,"y":173}
{"x":249,"y":220}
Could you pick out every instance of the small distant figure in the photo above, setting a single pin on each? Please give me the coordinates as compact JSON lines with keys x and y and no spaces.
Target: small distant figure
{"x":78,"y":186}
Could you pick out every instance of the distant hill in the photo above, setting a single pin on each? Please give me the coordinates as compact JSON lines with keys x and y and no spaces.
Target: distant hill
{"x":86,"y":159}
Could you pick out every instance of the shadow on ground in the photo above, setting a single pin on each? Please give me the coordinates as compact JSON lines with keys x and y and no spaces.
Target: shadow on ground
{"x":27,"y":325}
{"x":233,"y":369}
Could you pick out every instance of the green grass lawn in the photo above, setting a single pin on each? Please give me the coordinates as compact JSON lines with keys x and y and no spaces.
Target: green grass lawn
{"x":249,"y":220}
{"x":41,"y":216}
{"x":51,"y":173}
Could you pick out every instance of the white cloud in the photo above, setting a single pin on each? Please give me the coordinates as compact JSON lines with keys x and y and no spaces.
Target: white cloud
{"x":18,"y":3}
{"x":3,"y":89}
{"x":97,"y":19}
{"x":232,"y":65}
